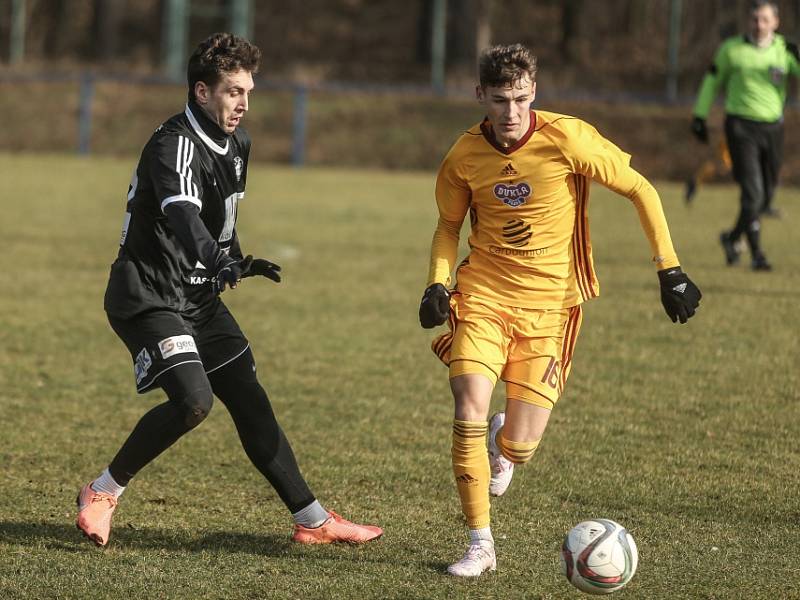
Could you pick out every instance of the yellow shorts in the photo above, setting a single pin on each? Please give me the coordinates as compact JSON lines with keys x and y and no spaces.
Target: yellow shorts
{"x":530,"y":349}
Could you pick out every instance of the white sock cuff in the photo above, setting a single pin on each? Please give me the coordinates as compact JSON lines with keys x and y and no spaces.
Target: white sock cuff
{"x":311,"y":516}
{"x":107,"y":485}
{"x":481,"y":535}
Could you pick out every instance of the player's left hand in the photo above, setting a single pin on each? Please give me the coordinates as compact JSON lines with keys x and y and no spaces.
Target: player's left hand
{"x":228,"y":275}
{"x":679,"y":295}
{"x":258,"y":266}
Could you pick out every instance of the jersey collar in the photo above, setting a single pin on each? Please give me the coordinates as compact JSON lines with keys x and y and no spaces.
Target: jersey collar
{"x":753,"y":43}
{"x":198,"y":129}
{"x":488,"y":134}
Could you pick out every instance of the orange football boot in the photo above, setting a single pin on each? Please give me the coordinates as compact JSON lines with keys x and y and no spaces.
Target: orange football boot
{"x":94,"y":514}
{"x":336,"y":529}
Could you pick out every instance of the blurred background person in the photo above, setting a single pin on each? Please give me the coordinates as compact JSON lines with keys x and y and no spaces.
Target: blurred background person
{"x":752,"y":70}
{"x":710,"y":169}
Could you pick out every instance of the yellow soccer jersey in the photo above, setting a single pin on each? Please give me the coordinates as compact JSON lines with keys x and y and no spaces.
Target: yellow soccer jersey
{"x":529,"y":241}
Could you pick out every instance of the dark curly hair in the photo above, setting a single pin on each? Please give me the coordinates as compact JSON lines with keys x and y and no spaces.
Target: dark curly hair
{"x":499,"y":66}
{"x":218,"y":54}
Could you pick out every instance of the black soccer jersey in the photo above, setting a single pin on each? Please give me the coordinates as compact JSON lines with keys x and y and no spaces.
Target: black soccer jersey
{"x":180,"y":223}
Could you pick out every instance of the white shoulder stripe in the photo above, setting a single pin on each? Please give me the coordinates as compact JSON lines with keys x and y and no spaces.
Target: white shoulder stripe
{"x":181,"y":198}
{"x":178,"y":160}
{"x":183,"y":166}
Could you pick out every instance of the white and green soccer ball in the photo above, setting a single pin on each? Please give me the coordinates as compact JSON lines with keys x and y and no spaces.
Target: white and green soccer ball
{"x":599,"y":556}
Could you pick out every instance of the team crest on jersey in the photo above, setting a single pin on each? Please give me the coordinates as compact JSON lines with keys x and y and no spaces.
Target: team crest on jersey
{"x":515,"y":194}
{"x":776,"y":75}
{"x":238,"y":165}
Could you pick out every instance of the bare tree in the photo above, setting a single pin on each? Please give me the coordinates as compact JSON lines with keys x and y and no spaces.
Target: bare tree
{"x":105,"y":32}
{"x":570,"y":15}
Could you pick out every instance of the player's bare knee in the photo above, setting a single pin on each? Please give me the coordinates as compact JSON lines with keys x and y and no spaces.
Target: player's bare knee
{"x":473,"y":395}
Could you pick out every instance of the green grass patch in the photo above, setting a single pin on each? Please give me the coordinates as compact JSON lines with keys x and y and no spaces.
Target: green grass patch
{"x":685,"y":434}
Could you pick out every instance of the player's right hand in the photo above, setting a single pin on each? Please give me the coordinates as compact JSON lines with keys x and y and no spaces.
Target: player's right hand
{"x":228,"y":275}
{"x":700,"y":130}
{"x":435,"y":306}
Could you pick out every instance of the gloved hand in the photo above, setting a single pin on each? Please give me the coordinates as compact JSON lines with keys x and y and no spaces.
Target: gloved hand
{"x":258,"y":266}
{"x":229,"y":274}
{"x":700,"y":130}
{"x":679,"y":295}
{"x":435,"y":306}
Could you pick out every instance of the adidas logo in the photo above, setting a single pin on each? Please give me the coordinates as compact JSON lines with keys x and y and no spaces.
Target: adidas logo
{"x":509,"y":170}
{"x":466,"y":478}
{"x":680,"y":288}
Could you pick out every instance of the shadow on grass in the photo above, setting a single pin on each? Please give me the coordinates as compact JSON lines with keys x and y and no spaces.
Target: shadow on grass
{"x":437,"y":566}
{"x":67,"y":538}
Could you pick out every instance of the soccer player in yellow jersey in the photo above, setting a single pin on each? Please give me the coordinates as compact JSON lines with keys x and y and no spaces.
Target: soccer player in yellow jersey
{"x":515,"y":312}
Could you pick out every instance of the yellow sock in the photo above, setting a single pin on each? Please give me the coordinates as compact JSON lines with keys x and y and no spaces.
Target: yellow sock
{"x":517,"y":452}
{"x":471,"y":468}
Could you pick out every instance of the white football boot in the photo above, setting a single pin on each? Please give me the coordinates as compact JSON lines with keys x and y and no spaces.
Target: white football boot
{"x":502,"y":468}
{"x":478,"y":558}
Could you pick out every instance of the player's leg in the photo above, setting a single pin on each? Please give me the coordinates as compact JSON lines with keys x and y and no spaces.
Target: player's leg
{"x":514,"y":436}
{"x":188,"y":402}
{"x":164,"y":356}
{"x":539,"y":363}
{"x":772,"y":158}
{"x":472,"y":394}
{"x":743,"y":142}
{"x":476,"y":354}
{"x":236,"y":384}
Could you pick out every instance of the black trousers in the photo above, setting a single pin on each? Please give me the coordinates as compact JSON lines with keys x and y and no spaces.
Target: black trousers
{"x":756,"y":153}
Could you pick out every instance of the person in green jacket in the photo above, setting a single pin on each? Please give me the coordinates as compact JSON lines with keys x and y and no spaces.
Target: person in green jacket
{"x":753,"y":70}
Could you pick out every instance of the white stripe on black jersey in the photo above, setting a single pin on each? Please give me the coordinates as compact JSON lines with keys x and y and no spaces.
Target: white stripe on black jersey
{"x":183,"y":168}
{"x":187,"y":160}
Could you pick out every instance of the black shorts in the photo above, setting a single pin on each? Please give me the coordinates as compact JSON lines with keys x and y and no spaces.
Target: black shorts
{"x":160,"y":340}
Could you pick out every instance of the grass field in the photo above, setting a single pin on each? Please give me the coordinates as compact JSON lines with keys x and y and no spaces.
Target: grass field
{"x":688,"y":435}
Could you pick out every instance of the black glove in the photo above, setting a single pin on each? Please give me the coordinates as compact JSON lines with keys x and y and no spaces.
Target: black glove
{"x":258,"y":266}
{"x":228,"y":274}
{"x":699,"y":129}
{"x":679,"y":295}
{"x":435,"y":306}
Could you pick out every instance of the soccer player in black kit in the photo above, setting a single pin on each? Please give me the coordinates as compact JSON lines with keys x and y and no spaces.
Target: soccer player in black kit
{"x":179,"y":251}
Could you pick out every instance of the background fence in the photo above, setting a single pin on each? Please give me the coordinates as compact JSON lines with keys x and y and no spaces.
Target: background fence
{"x":362,"y":83}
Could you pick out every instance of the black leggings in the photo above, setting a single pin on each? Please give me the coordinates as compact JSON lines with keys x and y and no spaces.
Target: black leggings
{"x":189,"y":392}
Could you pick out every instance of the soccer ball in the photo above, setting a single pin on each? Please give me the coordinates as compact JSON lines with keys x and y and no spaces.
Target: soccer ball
{"x":599,"y":556}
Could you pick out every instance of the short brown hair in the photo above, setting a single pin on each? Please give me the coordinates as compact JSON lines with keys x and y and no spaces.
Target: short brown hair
{"x":500,"y":66}
{"x":218,"y":54}
{"x":759,"y":4}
